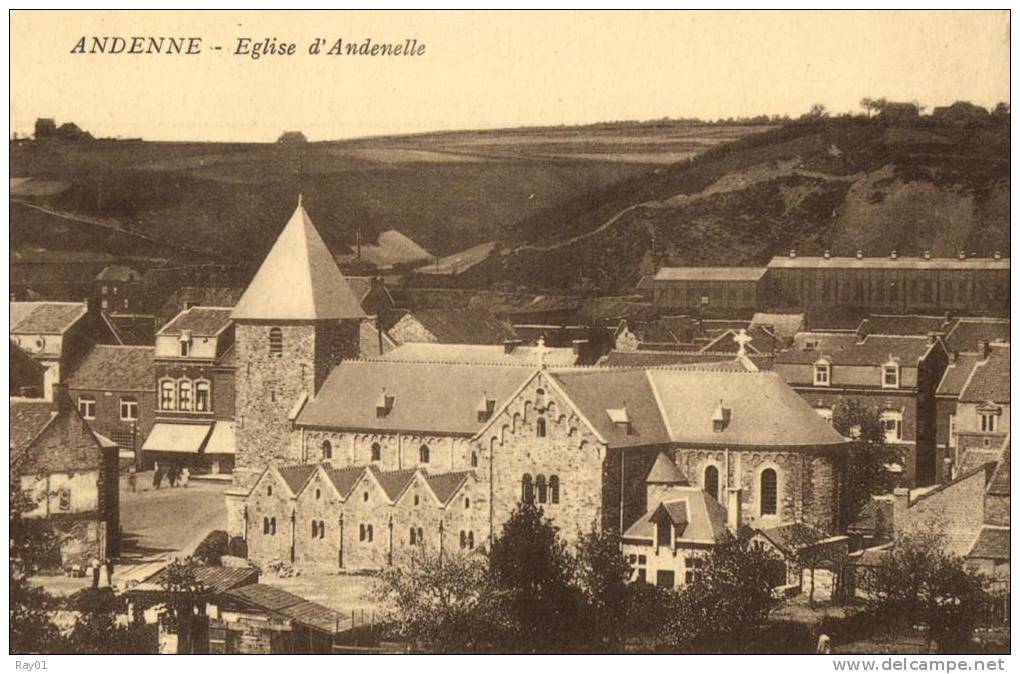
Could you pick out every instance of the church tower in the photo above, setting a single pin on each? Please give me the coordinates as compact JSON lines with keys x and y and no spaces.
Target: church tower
{"x":296,"y":320}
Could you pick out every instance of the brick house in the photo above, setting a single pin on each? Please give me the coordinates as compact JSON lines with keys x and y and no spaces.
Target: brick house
{"x":70,"y":474}
{"x":58,"y":334}
{"x":119,"y":290}
{"x":114,"y":388}
{"x":982,"y":411}
{"x":194,"y":386}
{"x":896,"y":375}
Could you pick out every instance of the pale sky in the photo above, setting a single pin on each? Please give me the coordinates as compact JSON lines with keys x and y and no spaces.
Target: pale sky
{"x":493,"y":69}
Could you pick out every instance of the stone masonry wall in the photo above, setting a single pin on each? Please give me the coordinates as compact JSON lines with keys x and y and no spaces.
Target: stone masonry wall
{"x":397,"y":450}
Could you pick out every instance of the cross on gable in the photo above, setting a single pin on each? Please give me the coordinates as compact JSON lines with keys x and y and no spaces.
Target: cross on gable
{"x":541,"y":350}
{"x":742,"y":339}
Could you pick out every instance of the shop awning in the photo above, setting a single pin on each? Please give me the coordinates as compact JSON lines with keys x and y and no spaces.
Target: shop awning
{"x":182,"y":438}
{"x":221,"y":441}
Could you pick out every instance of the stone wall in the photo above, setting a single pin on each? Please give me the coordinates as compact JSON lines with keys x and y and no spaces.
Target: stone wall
{"x":269,"y":498}
{"x":398,"y":451}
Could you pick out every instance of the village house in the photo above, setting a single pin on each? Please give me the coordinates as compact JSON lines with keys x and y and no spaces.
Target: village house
{"x":114,"y":388}
{"x":27,"y":376}
{"x":118,"y":289}
{"x":69,"y":474}
{"x":194,"y":381}
{"x":895,"y":375}
{"x":58,"y":334}
{"x":982,"y":411}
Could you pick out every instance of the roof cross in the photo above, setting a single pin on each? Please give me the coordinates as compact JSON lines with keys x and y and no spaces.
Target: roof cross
{"x":541,"y":350}
{"x":742,"y":339}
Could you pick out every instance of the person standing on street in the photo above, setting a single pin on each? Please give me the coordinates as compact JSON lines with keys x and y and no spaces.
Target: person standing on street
{"x":95,"y":573}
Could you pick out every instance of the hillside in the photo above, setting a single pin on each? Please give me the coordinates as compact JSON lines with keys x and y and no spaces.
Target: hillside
{"x":842,"y":185}
{"x":216,"y":202}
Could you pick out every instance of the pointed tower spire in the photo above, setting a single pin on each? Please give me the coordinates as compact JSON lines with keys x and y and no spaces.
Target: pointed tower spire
{"x":299,"y":279}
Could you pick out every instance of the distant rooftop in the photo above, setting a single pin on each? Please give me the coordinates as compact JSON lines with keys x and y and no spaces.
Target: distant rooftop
{"x":710,"y":274}
{"x":787,"y":262}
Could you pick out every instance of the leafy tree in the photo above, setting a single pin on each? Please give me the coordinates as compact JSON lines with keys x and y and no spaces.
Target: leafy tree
{"x":445,"y":603}
{"x":602,"y":574}
{"x":97,"y":631}
{"x":530,"y":566}
{"x":729,"y":601}
{"x":185,"y":596}
{"x":30,"y":629}
{"x":919,"y":582}
{"x":869,"y":459}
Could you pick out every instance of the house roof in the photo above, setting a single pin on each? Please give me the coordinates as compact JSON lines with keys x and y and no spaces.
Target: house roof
{"x":665,"y":471}
{"x":911,"y":324}
{"x":202,"y":296}
{"x":298,"y":280}
{"x":118,"y":272}
{"x":705,"y":518}
{"x":215,"y":579}
{"x":298,"y":609}
{"x":44,"y":318}
{"x":445,"y":485}
{"x":764,"y":410}
{"x":116,"y":368}
{"x":786,"y":262}
{"x":710,"y":274}
{"x":992,"y":543}
{"x":27,"y":419}
{"x":791,"y":536}
{"x":479,"y":353}
{"x":428,"y":397}
{"x":62,"y":444}
{"x":989,"y":380}
{"x":999,"y":484}
{"x":968,"y":333}
{"x":847,"y":349}
{"x":393,"y":482}
{"x":596,"y":391}
{"x":957,"y":374}
{"x":461,"y":325}
{"x":296,"y":476}
{"x":762,"y":341}
{"x":685,"y":359}
{"x":134,"y":329}
{"x":782,"y":325}
{"x":344,"y":479}
{"x":392,"y":247}
{"x":203,"y":321}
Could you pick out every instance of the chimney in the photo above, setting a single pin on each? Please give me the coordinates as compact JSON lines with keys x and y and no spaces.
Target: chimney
{"x":61,"y":398}
{"x":962,"y":255}
{"x":510,"y":344}
{"x":955,"y":356}
{"x":793,"y":252}
{"x":997,"y":255}
{"x":985,"y":347}
{"x":935,"y":336}
{"x":893,"y":255}
{"x":826,"y":254}
{"x":734,"y":518}
{"x":927,"y":255}
{"x":860,"y":254}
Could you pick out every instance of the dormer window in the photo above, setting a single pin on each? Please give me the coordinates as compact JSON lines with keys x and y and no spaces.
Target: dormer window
{"x":823,"y":373}
{"x":184,"y":344}
{"x":988,"y":417}
{"x":384,"y":405}
{"x":620,"y":418}
{"x":891,"y":375}
{"x":721,"y":418}
{"x":811,"y":345}
{"x":486,"y":408}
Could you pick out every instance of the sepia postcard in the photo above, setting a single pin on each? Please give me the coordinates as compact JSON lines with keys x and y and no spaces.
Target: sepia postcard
{"x":510,"y":332}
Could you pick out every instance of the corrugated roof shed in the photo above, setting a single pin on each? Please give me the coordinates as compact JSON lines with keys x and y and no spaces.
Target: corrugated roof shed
{"x":116,"y":368}
{"x":298,"y":609}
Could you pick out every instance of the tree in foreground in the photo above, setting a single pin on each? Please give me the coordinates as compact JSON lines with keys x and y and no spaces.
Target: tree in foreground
{"x":602,"y":577}
{"x":725,"y":606}
{"x":97,"y":631}
{"x":871,"y":461}
{"x":919,"y":582}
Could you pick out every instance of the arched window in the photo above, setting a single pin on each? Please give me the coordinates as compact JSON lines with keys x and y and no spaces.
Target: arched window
{"x":540,"y":487}
{"x":463,"y":539}
{"x":421,"y":536}
{"x":203,"y":396}
{"x":315,"y":529}
{"x":711,"y":483}
{"x":417,"y":499}
{"x":275,"y":340}
{"x":554,"y":488}
{"x":467,"y":503}
{"x":423,"y":454}
{"x":322,"y":528}
{"x":414,"y":536}
{"x":369,"y":532}
{"x":184,"y":395}
{"x":471,"y":540}
{"x":272,"y":526}
{"x":768,"y":492}
{"x":269,"y":490}
{"x":318,"y":494}
{"x":376,"y":452}
{"x":540,"y":427}
{"x":327,"y":449}
{"x":527,"y":489}
{"x":361,"y":532}
{"x":167,"y":395}
{"x":265,"y":525}
{"x":474,"y":459}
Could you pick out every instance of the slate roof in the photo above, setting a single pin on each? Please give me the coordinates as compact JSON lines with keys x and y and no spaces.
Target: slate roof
{"x":44,"y":318}
{"x":686,"y":359}
{"x":298,"y":280}
{"x":215,"y":579}
{"x":428,"y":397}
{"x":27,"y":419}
{"x":202,"y":296}
{"x":464,"y":326}
{"x":65,"y":444}
{"x":445,"y":485}
{"x":992,"y":543}
{"x":116,"y":368}
{"x":296,"y":476}
{"x":596,"y":391}
{"x":665,"y":471}
{"x":478,"y":353}
{"x":344,"y":479}
{"x":956,"y":375}
{"x":765,"y":411}
{"x":134,"y":329}
{"x":710,"y":273}
{"x":202,"y":321}
{"x":989,"y":379}
{"x":847,"y":349}
{"x":393,"y":482}
{"x":299,"y":610}
{"x":968,"y":333}
{"x":782,"y":325}
{"x":791,"y":536}
{"x":705,"y":518}
{"x":999,"y":484}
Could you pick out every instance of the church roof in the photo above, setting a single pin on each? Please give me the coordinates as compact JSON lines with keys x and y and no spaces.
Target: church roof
{"x":298,"y":280}
{"x":664,"y":471}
